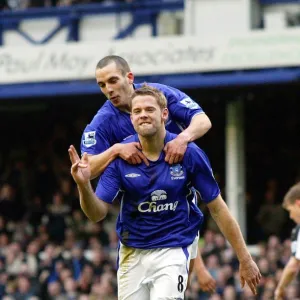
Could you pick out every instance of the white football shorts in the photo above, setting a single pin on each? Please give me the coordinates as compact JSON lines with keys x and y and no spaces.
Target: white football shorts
{"x":155,"y":274}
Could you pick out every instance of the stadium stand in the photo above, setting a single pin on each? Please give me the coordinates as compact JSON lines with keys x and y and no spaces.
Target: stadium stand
{"x":17,"y":5}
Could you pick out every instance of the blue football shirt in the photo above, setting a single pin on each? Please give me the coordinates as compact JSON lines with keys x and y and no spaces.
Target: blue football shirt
{"x":110,"y":125}
{"x":157,"y":209}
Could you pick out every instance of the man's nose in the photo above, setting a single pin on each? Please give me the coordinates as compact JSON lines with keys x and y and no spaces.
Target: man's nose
{"x":144,"y":114}
{"x":109,"y":89}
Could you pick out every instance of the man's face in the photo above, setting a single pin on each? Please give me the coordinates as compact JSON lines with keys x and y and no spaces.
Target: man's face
{"x":114,"y":85}
{"x":294,"y":211}
{"x":146,"y":115}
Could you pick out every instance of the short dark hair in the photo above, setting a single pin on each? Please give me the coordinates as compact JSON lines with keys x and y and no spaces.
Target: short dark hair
{"x":147,"y":90}
{"x":120,"y":62}
{"x":292,"y":195}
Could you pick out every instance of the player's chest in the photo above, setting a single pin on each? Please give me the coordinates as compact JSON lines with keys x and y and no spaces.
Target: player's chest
{"x":161,"y":176}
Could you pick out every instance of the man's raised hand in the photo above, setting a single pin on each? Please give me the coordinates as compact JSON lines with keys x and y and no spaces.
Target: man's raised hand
{"x":80,"y":168}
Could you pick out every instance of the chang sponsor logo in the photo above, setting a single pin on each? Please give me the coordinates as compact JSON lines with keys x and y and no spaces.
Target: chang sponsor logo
{"x":153,"y":206}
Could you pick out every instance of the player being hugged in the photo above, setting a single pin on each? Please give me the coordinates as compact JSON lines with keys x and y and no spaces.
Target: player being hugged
{"x":158,"y":219}
{"x":102,"y":137}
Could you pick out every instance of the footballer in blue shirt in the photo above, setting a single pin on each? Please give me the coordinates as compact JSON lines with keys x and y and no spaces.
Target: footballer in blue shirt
{"x":158,"y":219}
{"x":111,"y":125}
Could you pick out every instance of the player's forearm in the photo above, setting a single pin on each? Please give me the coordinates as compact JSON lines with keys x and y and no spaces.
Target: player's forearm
{"x":92,"y":207}
{"x":199,"y":264}
{"x":199,"y":125}
{"x":99,"y":162}
{"x":288,"y":274}
{"x":231,"y":230}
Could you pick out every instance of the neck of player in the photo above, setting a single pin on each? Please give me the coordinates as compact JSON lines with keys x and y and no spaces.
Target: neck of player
{"x":153,"y":145}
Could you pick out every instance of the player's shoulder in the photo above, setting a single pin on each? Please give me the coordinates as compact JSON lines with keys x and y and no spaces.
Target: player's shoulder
{"x":165,"y":89}
{"x":130,"y":139}
{"x":195,"y":154}
{"x":193,"y":148}
{"x":170,"y":136}
{"x":113,"y":166}
{"x":107,"y":110}
{"x":134,"y":138}
{"x":152,"y":84}
{"x":105,"y":113}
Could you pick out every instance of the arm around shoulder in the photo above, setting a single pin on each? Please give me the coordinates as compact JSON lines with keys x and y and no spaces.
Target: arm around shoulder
{"x":99,"y":162}
{"x":199,"y":126}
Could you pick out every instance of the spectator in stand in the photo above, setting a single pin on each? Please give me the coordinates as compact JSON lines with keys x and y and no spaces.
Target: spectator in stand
{"x":271,"y":216}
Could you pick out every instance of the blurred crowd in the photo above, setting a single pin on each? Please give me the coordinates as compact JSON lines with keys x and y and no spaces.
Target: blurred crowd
{"x":63,"y":258}
{"x":57,"y":254}
{"x":271,"y":256}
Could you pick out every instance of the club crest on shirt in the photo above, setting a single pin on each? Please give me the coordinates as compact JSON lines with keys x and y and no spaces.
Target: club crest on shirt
{"x":176,"y":172}
{"x":89,"y":139}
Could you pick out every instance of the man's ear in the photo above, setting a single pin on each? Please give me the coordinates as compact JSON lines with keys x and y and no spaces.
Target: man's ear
{"x":165,"y":114}
{"x":130,"y":77}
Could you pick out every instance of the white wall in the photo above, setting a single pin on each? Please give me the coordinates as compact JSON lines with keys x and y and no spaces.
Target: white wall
{"x":217,"y":17}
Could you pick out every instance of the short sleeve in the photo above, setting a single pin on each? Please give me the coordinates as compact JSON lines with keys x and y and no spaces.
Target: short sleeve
{"x":181,"y":107}
{"x":109,"y":183}
{"x":95,"y":140}
{"x":201,"y":173}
